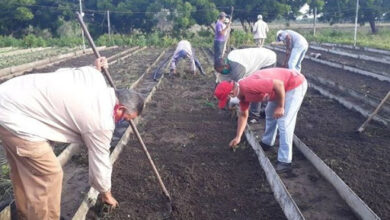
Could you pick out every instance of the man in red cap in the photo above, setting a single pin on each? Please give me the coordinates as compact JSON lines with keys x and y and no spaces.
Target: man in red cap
{"x":284,"y":90}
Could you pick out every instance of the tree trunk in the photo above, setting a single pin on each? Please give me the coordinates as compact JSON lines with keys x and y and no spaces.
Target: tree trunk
{"x":243,"y":25}
{"x":372,"y":25}
{"x":211,"y":27}
{"x":250,"y":25}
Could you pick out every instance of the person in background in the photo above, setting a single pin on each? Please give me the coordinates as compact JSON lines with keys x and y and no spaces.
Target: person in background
{"x":241,"y":63}
{"x":260,"y":30}
{"x":71,"y":105}
{"x":220,"y":36}
{"x":296,"y":47}
{"x":184,"y":50}
{"x":284,"y":89}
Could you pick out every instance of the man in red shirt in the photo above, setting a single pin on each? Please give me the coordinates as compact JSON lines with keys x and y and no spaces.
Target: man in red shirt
{"x":284,"y":90}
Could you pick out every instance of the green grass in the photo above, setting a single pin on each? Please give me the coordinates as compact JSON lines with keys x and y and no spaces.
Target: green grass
{"x":365,"y":38}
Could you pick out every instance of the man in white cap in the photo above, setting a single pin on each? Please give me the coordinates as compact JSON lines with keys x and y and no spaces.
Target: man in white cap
{"x":71,"y":105}
{"x":220,"y":36}
{"x":296,"y":47}
{"x":260,"y":30}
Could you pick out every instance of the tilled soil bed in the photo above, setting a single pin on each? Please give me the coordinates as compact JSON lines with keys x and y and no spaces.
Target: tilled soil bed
{"x":188,"y":139}
{"x":365,"y":85}
{"x":361,"y":160}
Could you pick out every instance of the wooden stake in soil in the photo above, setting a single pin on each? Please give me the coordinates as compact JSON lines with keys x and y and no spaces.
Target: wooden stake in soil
{"x":135,"y":130}
{"x":363,"y":126}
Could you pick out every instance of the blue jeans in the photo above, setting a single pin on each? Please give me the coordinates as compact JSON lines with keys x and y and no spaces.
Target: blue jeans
{"x":296,"y":57}
{"x":218,"y":49}
{"x":285,"y":124}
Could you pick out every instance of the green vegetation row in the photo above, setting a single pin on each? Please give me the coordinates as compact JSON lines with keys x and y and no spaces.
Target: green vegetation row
{"x":204,"y":38}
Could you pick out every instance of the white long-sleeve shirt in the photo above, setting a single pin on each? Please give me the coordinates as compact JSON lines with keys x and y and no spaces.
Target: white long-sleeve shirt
{"x":69,"y":105}
{"x":183,"y":50}
{"x":260,"y":29}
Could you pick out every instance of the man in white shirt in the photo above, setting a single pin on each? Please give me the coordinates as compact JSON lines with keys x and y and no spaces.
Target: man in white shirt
{"x":260,"y":30}
{"x":241,"y":63}
{"x":296,"y":47}
{"x":72,"y":105}
{"x":184,"y":50}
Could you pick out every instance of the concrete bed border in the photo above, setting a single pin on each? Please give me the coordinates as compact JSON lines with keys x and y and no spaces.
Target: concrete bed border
{"x":91,"y":197}
{"x":342,"y":66}
{"x":351,"y":92}
{"x":13,"y":71}
{"x":281,"y":194}
{"x":346,"y":103}
{"x":356,"y":56}
{"x":21,"y":51}
{"x":369,"y":49}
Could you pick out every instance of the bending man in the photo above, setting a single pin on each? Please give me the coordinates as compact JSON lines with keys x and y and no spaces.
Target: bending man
{"x":242,"y":63}
{"x":184,"y":50}
{"x":71,"y":105}
{"x":296,"y":47}
{"x":284,"y":90}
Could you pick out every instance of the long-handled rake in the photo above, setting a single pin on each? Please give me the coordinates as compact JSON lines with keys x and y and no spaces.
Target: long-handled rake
{"x":135,"y":130}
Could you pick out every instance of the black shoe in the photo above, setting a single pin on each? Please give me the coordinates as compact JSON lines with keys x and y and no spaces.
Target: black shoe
{"x":262,"y":114}
{"x":265,"y":147}
{"x":282,"y":167}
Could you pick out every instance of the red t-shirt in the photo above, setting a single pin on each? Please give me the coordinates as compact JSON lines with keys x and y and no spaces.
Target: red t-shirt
{"x":258,"y":87}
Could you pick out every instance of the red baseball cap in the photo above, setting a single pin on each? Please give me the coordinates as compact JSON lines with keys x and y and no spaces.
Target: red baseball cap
{"x":222,"y":92}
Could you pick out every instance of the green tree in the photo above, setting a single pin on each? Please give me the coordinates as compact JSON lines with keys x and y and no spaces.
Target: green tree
{"x":344,"y":10}
{"x":14,"y":14}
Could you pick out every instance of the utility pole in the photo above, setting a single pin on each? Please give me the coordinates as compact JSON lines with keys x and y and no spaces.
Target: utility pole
{"x":356,"y":20}
{"x":315,"y":21}
{"x":82,"y":31}
{"x":109,"y":25}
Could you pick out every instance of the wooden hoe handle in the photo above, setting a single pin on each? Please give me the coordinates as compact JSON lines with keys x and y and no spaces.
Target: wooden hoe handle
{"x":362,"y":127}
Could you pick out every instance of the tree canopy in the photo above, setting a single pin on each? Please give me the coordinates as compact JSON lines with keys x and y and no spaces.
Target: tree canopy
{"x":20,"y":17}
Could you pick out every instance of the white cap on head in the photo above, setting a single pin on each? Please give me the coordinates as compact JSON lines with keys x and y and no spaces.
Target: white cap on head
{"x":277,"y":34}
{"x":259,"y":17}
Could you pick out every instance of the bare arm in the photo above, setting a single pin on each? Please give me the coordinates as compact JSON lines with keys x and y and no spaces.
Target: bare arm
{"x":225,"y":29}
{"x":288,"y":50}
{"x":100,"y":63}
{"x":280,"y":94}
{"x":241,"y":124}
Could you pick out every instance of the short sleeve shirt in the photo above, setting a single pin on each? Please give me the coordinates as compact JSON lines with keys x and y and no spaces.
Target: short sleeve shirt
{"x":258,"y":87}
{"x":297,"y":39}
{"x":219,"y":26}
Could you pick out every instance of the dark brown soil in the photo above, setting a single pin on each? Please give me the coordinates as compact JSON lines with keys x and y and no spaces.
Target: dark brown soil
{"x":188,"y":140}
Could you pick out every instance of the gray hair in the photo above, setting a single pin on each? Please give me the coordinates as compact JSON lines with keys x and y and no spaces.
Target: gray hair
{"x":132,"y":100}
{"x":259,"y":17}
